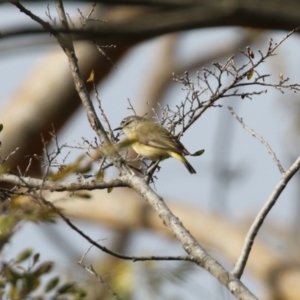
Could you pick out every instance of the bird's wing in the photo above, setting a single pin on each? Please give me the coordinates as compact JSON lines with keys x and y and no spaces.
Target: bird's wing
{"x":168,"y":142}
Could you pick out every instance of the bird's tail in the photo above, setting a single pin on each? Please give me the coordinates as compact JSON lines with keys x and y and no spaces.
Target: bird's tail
{"x":184,"y":161}
{"x":189,"y":166}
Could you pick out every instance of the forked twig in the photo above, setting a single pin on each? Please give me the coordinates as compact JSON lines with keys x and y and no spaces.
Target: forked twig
{"x":261,"y":216}
{"x":259,"y":219}
{"x":90,"y":269}
{"x":260,"y":138}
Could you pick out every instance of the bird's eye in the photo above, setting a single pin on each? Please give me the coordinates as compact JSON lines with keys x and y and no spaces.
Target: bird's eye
{"x":125,"y":123}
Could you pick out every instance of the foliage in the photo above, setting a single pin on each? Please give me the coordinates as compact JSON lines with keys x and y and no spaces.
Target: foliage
{"x":23,"y":277}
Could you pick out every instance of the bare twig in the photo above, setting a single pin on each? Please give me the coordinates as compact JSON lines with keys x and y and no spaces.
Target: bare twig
{"x":261,"y":216}
{"x":92,"y":271}
{"x":7,"y":157}
{"x":131,"y":106}
{"x":84,"y":19}
{"x":108,"y":251}
{"x":260,"y":138}
{"x":195,"y":252}
{"x":241,"y":76}
{"x":189,"y":243}
{"x":110,"y":131}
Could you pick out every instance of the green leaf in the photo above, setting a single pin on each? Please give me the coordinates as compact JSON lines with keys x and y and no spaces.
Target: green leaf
{"x":100,"y":175}
{"x":3,"y":170}
{"x":14,"y":292}
{"x":23,"y":255}
{"x":65,"y":288}
{"x":250,"y":74}
{"x":52,"y":284}
{"x":2,"y":283}
{"x":1,"y":127}
{"x":30,"y":282}
{"x":11,"y":275}
{"x":36,"y":258}
{"x":81,"y":294}
{"x":198,"y":153}
{"x":109,"y":190}
{"x":44,"y":268}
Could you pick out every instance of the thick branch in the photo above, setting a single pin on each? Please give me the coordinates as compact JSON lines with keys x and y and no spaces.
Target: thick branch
{"x":33,"y":183}
{"x":189,"y":243}
{"x":269,"y":14}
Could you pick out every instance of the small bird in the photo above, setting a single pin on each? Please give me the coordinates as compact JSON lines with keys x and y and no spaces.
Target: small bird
{"x":153,"y":141}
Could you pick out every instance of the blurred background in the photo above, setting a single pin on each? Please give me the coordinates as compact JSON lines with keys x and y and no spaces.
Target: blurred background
{"x":234,"y":177}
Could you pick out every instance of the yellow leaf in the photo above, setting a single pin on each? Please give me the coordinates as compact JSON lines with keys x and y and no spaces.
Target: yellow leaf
{"x":83,"y":195}
{"x":91,"y":77}
{"x":250,"y":74}
{"x":100,"y":175}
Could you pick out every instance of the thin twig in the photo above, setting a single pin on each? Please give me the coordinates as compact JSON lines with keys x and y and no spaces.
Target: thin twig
{"x":261,"y":216}
{"x":92,"y":271}
{"x":260,"y":138}
{"x":108,"y":251}
{"x":195,"y":252}
{"x":109,"y":129}
{"x":9,"y":155}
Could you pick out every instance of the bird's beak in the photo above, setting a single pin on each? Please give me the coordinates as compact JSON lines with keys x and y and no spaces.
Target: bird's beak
{"x":119,"y":128}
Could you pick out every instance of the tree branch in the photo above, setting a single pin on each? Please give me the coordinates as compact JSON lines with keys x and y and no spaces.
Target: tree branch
{"x":90,"y":269}
{"x":260,"y":138}
{"x":183,"y":15}
{"x":189,"y":243}
{"x":47,"y":185}
{"x":105,"y":249}
{"x":258,"y":221}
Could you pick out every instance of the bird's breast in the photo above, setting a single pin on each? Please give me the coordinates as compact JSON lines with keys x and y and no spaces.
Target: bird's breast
{"x":150,"y":152}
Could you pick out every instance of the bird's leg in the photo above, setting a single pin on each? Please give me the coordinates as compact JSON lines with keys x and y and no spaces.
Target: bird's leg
{"x":151,"y":170}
